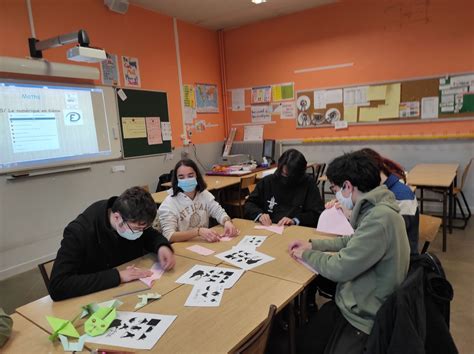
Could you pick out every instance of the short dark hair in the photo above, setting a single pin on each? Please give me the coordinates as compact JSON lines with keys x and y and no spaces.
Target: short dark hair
{"x":135,"y":205}
{"x":356,"y":167}
{"x":387,"y":166}
{"x":294,"y":161}
{"x":201,"y":185}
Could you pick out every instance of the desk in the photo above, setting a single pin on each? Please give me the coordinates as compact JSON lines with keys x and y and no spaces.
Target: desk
{"x":440,"y":176}
{"x":221,"y":329}
{"x":28,"y":338}
{"x":246,"y":227}
{"x":38,"y":310}
{"x":159,"y":197}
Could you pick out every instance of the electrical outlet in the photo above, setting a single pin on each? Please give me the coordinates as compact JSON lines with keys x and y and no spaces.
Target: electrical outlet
{"x":118,"y":168}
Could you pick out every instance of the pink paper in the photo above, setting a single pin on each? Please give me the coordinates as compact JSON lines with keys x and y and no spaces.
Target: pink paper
{"x":157,"y":273}
{"x":226,"y":238}
{"x":200,"y":250}
{"x":333,"y":221}
{"x":273,"y":228}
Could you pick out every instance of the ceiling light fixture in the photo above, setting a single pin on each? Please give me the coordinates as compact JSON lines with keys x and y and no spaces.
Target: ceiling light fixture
{"x":259,"y":1}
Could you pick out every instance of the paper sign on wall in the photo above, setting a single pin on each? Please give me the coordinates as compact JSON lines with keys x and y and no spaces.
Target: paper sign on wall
{"x":283,"y":92}
{"x":253,"y":133}
{"x":429,"y":107}
{"x":166,"y":131}
{"x":261,"y":114}
{"x":261,"y":94}
{"x":131,"y":71}
{"x":153,"y":129}
{"x":133,"y":127}
{"x":109,"y":70}
{"x":238,"y":100}
{"x":288,"y":110}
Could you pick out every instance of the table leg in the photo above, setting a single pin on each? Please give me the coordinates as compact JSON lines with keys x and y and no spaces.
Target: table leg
{"x":451,"y":201}
{"x":445,"y":197}
{"x":291,"y":327}
{"x":421,"y":200}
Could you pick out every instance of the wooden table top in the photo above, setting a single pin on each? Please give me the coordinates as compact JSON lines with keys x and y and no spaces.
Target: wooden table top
{"x":67,"y":309}
{"x":284,"y":266}
{"x":220,"y":329}
{"x":246,"y":227}
{"x":159,"y":197}
{"x":432,"y":175}
{"x":26,"y":337}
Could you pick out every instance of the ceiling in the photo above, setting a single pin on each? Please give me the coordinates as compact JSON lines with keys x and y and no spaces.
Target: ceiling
{"x":225,"y":14}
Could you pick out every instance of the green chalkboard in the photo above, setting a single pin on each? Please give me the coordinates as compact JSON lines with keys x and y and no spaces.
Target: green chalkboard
{"x":142,"y":104}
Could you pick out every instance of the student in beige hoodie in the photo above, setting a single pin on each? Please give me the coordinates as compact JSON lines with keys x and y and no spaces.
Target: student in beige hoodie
{"x":184,"y":214}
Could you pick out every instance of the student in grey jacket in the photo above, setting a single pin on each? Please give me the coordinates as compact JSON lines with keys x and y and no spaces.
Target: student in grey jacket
{"x":367,"y":266}
{"x":185,"y":213}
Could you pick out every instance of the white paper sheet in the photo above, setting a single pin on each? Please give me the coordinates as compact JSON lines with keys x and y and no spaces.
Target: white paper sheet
{"x":205,"y":295}
{"x":288,"y":110}
{"x":319,"y":99}
{"x":261,"y":114}
{"x":134,"y":330}
{"x":251,"y":241}
{"x":429,"y":107}
{"x":244,"y":258}
{"x":166,"y":131}
{"x":238,"y":100}
{"x":253,"y":133}
{"x":201,"y":274}
{"x":333,"y":96}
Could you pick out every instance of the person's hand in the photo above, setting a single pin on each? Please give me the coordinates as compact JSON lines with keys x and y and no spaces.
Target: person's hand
{"x":132,"y":273}
{"x":166,"y":258}
{"x":229,"y":229}
{"x":285,"y":221}
{"x":265,"y":220}
{"x":297,"y":247}
{"x":208,"y":235}
{"x":334,"y":203}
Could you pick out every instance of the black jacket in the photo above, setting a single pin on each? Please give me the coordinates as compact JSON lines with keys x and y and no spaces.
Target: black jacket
{"x":299,"y":200}
{"x":90,"y":250}
{"x":415,"y":319}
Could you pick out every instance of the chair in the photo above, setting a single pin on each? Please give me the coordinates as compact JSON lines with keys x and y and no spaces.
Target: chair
{"x":245,"y":183}
{"x":428,"y":229}
{"x":45,"y":270}
{"x":258,"y":342}
{"x":164,"y":178}
{"x":458,"y":191}
{"x":319,"y":172}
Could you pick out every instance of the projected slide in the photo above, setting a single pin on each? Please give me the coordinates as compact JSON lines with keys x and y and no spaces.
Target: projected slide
{"x":42,"y":124}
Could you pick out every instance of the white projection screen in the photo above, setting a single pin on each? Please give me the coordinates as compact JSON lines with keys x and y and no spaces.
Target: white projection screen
{"x":44,"y":125}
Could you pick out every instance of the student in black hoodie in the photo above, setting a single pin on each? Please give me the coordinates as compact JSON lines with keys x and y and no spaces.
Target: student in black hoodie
{"x":107,"y":234}
{"x":288,"y":197}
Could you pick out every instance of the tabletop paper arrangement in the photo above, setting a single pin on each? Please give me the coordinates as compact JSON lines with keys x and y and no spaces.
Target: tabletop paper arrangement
{"x":200,"y":250}
{"x":244,"y":258}
{"x":333,"y":221}
{"x":251,"y":242}
{"x":209,"y":284}
{"x":157,"y":273}
{"x":108,"y":326}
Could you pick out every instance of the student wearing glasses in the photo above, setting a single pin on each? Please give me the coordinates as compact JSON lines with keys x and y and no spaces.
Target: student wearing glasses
{"x":107,"y":234}
{"x":184,"y":214}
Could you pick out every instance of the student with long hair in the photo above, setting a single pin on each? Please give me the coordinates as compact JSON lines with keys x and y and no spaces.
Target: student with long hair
{"x":184,"y":214}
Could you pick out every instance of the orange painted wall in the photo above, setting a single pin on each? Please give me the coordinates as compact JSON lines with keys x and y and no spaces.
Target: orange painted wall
{"x":139,"y":33}
{"x":385,"y":39}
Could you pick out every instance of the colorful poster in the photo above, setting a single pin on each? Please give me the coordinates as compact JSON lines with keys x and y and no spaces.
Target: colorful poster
{"x":206,"y":98}
{"x":409,"y":109}
{"x":153,"y":130}
{"x":131,"y":71}
{"x":109,"y":70}
{"x":189,"y":97}
{"x":261,"y":114}
{"x":261,"y":94}
{"x":283,"y":92}
{"x":133,"y":127}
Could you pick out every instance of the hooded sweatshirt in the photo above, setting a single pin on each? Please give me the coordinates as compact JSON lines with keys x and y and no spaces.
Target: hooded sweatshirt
{"x":370,"y":264}
{"x":181,"y":213}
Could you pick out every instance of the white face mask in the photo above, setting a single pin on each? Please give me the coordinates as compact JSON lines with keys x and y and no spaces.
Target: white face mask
{"x":345,"y":201}
{"x":128,"y":233}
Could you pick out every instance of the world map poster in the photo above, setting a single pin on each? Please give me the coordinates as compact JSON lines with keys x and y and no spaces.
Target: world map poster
{"x":206,"y":98}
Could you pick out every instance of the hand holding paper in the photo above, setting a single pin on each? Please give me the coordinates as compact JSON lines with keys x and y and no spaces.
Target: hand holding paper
{"x":156,"y":271}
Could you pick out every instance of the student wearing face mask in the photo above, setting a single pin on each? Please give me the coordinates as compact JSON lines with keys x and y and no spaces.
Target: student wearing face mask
{"x":288,"y":197}
{"x":107,"y":234}
{"x":184,"y":214}
{"x":367,"y":266}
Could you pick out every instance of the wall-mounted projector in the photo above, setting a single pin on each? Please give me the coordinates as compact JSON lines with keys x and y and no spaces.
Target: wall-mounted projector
{"x":86,"y":54}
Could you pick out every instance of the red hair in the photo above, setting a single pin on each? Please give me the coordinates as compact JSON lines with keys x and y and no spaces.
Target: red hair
{"x":385,"y":165}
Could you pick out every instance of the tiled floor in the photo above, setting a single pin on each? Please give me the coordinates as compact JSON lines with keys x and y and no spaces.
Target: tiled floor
{"x":458,"y":263}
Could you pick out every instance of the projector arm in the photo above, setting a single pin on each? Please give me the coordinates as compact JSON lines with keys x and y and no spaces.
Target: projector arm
{"x":36,"y":46}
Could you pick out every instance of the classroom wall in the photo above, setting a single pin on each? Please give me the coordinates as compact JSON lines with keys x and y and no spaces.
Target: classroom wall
{"x":384,"y":39}
{"x":34,"y":211}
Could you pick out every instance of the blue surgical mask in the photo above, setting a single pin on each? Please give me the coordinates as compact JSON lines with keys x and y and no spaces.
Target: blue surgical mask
{"x":129,"y":235}
{"x":188,"y":185}
{"x":345,"y":201}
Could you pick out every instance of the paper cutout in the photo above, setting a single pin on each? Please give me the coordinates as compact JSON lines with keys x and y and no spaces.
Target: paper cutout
{"x":60,"y":326}
{"x":145,"y":298}
{"x":251,"y":242}
{"x":225,"y":238}
{"x":205,"y":295}
{"x":333,"y":221}
{"x":157,"y":273}
{"x":273,"y":228}
{"x":72,"y":346}
{"x":94,"y":307}
{"x":200,"y":250}
{"x":100,"y":321}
